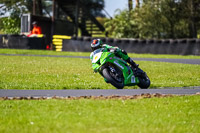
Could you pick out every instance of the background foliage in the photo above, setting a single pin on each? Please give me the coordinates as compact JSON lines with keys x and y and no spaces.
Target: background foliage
{"x":157,"y":19}
{"x":10,"y":25}
{"x":148,"y":19}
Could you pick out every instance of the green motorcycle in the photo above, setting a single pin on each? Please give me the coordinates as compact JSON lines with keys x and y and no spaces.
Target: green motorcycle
{"x":117,"y":71}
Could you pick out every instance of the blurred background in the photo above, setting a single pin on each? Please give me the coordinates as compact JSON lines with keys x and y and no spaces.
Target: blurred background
{"x":117,"y":18}
{"x":135,"y":19}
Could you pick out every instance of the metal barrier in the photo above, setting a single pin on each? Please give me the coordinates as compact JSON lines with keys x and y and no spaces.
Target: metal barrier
{"x":22,"y":42}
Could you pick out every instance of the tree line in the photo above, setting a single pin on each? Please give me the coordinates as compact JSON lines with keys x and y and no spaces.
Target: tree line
{"x":156,"y":19}
{"x":146,"y":19}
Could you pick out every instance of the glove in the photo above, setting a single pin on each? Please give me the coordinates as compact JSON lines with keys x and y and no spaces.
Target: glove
{"x":113,"y":50}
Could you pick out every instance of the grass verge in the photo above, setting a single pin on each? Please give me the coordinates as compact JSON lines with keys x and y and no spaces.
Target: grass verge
{"x":48,"y":52}
{"x":27,"y":72}
{"x":158,"y":115}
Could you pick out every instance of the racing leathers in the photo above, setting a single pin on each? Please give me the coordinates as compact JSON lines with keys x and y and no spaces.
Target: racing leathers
{"x":118,"y":52}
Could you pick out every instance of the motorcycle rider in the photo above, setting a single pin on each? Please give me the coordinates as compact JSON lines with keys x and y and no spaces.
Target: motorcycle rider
{"x":97,"y":43}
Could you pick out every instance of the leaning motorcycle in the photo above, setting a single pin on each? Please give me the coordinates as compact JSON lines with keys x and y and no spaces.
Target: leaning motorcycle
{"x":117,"y":71}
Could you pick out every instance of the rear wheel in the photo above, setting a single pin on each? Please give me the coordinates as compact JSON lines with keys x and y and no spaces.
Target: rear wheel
{"x":144,"y":82}
{"x":113,"y":76}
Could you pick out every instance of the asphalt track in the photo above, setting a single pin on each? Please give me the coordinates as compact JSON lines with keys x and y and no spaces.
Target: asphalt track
{"x":96,"y":92}
{"x":107,"y":92}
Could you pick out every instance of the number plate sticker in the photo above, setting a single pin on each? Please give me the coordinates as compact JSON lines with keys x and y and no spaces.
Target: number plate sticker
{"x":133,"y":79}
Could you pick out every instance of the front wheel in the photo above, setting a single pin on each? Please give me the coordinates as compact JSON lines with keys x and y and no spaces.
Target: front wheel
{"x":112,"y":78}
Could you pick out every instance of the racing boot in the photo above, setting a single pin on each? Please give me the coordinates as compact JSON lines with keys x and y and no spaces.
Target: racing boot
{"x":137,"y":71}
{"x":132,"y":63}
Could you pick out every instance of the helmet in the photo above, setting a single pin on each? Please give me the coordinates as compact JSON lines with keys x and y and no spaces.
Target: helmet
{"x":35,"y":23}
{"x":96,"y":44}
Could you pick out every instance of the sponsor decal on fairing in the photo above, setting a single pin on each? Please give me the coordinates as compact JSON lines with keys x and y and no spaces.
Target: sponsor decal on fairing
{"x":118,"y":65}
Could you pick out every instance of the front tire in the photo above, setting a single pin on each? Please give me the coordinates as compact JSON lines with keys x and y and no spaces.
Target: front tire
{"x":110,"y":79}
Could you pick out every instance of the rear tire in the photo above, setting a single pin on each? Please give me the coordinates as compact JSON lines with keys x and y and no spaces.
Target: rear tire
{"x":144,"y":82}
{"x":110,"y":79}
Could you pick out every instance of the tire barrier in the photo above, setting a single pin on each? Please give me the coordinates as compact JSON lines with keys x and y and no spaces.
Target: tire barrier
{"x":141,"y":46}
{"x":76,"y":45}
{"x":82,"y":44}
{"x":58,"y":41}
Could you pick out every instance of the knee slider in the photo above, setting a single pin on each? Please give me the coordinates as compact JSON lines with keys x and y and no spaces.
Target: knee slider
{"x":124,"y":52}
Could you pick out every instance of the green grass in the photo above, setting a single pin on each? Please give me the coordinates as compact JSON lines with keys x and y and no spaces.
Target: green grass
{"x":42,"y":52}
{"x":48,"y":52}
{"x":28,"y":72}
{"x":157,"y":115}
